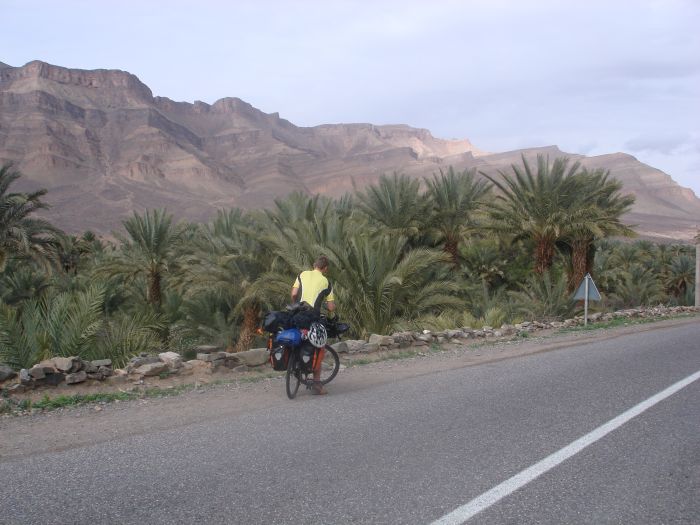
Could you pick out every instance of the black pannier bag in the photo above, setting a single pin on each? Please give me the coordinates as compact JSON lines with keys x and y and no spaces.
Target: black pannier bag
{"x":304,"y":318}
{"x":276,"y":321}
{"x":307,"y":354}
{"x":279,"y":356}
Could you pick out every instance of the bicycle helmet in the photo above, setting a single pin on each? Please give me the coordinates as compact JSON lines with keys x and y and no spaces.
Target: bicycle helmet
{"x":317,"y":335}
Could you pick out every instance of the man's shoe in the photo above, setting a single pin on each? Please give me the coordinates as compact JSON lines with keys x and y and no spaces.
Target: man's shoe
{"x":317,"y":389}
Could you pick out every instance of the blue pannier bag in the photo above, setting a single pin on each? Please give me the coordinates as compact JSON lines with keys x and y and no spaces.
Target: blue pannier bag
{"x":291,"y":337}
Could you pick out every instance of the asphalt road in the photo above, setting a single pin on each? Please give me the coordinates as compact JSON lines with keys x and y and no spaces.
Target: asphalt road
{"x":406,"y":451}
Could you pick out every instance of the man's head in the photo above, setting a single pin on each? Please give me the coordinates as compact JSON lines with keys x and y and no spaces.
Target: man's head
{"x":321,"y":263}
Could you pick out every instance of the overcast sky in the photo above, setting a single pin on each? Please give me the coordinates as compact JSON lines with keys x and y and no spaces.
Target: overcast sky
{"x":590,"y":76}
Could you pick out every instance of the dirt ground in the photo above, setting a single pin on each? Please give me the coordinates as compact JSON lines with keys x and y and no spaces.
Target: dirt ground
{"x":77,"y":426}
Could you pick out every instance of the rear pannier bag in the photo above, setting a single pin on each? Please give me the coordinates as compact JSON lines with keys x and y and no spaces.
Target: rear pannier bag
{"x":279,"y":356}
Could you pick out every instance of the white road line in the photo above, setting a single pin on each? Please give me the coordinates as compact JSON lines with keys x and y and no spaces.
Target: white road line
{"x":488,"y":498}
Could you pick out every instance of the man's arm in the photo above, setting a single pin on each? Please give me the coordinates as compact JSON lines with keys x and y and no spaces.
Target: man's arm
{"x":295,"y":293}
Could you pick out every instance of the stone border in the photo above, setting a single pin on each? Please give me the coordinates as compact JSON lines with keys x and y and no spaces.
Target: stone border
{"x":61,"y":371}
{"x":401,"y":340}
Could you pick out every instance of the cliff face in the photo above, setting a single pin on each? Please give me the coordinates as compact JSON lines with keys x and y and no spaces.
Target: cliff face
{"x":104,"y":146}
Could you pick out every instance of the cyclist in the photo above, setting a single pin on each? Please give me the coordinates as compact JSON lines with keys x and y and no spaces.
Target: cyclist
{"x":314,"y":288}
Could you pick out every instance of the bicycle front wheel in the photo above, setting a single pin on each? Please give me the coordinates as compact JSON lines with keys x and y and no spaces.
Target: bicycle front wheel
{"x":292,"y":379}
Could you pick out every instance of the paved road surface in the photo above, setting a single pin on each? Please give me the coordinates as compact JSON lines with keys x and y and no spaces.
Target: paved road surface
{"x":406,"y":451}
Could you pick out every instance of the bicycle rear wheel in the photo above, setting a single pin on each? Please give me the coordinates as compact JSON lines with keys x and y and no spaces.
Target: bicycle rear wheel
{"x":293,"y":377}
{"x":329,"y":368}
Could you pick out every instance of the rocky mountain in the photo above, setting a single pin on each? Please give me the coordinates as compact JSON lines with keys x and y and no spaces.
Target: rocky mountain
{"x":104,"y":146}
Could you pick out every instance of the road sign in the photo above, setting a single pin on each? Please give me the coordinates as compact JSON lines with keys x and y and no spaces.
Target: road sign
{"x":587,"y":291}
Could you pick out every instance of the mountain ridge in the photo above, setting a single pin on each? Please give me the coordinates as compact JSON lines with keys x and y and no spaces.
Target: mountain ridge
{"x":104,"y":146}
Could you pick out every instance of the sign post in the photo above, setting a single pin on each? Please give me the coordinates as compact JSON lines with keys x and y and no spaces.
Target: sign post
{"x":697,"y":270}
{"x":587,"y":291}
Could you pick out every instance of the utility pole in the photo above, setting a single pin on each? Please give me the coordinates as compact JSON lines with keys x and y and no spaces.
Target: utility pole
{"x":697,"y":270}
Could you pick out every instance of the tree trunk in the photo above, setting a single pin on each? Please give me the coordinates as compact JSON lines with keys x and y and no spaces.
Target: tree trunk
{"x":154,"y":291}
{"x":544,"y":255}
{"x":579,"y":262}
{"x":251,"y":318}
{"x":451,"y":247}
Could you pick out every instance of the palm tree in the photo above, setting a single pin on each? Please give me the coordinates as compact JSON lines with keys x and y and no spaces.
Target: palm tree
{"x":228,"y":261}
{"x":20,"y":233}
{"x":378,"y":283}
{"x":681,"y":276}
{"x":638,"y":286}
{"x":455,"y":199}
{"x":63,"y":325}
{"x":396,"y":204}
{"x":536,"y":206}
{"x":22,"y":284}
{"x":594,"y":214}
{"x":544,"y":297}
{"x":148,"y":251}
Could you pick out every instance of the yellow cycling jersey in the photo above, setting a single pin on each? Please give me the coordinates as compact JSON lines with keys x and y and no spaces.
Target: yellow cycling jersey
{"x":314,"y":288}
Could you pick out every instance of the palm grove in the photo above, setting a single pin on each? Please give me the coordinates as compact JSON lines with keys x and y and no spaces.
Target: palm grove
{"x":454,"y":249}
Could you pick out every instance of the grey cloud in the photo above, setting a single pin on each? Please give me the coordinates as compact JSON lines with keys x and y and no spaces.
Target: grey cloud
{"x":665,"y":144}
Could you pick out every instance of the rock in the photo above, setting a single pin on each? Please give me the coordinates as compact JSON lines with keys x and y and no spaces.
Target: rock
{"x":254,"y":357}
{"x":77,"y":364}
{"x":454,"y":334}
{"x":90,"y":368}
{"x":196,"y":366}
{"x":76,"y":377}
{"x":381,"y":340}
{"x":508,"y":329}
{"x":239,"y":369}
{"x":206,"y":357}
{"x":54,"y":379}
{"x":402,"y":336}
{"x":102,"y":362}
{"x":486,"y":328}
{"x":370,"y":347}
{"x":207,"y":349}
{"x":6,"y":373}
{"x":232,"y":361}
{"x":354,"y":345}
{"x":340,"y":347}
{"x":61,"y":364}
{"x":116,"y":380}
{"x":136,"y":362}
{"x":172,"y":359}
{"x":427,"y":338}
{"x":39,"y":372}
{"x":106,"y":371}
{"x":441,"y":339}
{"x":24,"y":376}
{"x":420,"y":342}
{"x":152,"y":369}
